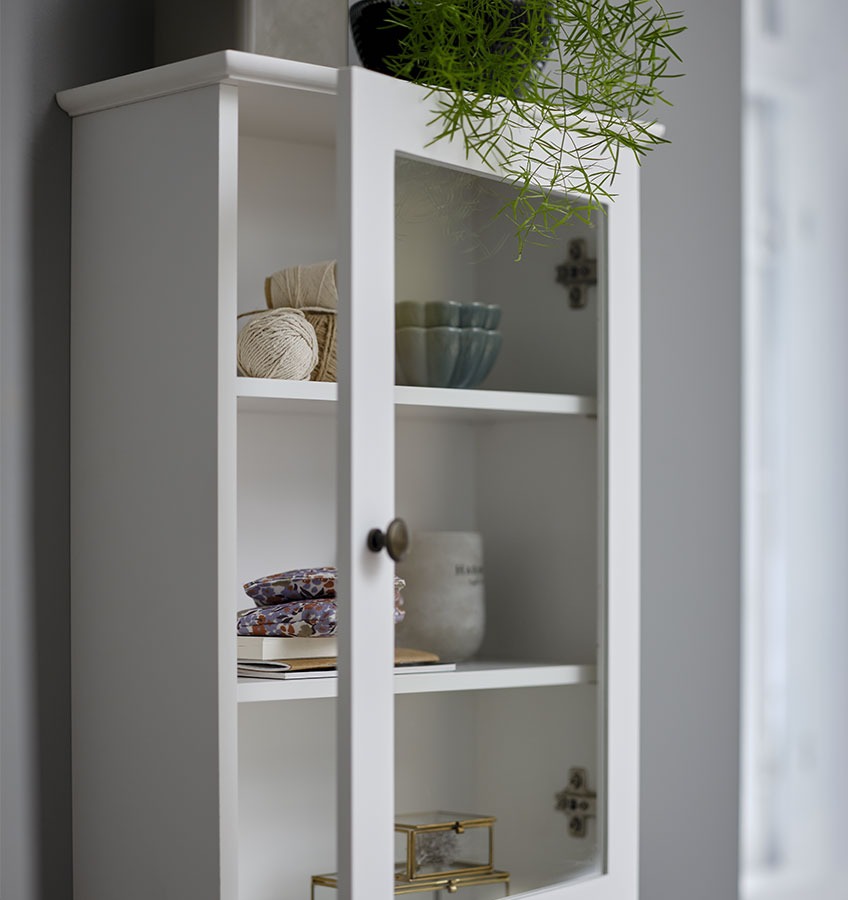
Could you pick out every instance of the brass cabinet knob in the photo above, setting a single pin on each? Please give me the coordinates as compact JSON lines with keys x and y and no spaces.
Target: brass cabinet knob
{"x":395,"y":539}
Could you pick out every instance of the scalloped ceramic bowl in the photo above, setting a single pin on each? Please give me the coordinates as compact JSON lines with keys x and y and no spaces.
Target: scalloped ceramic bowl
{"x":444,"y":356}
{"x":434,"y":313}
{"x":484,"y":362}
{"x":479,"y":315}
{"x":431,"y":314}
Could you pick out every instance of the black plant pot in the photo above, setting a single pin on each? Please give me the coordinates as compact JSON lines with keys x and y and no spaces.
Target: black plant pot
{"x":375,"y":37}
{"x":378,"y":39}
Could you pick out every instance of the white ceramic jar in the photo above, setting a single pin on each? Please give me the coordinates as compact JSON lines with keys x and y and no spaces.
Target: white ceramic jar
{"x":444,"y":598}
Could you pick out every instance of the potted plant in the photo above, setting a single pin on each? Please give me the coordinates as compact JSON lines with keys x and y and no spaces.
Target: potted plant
{"x":522,"y":81}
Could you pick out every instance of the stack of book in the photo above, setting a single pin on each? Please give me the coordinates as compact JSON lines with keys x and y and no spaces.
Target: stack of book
{"x":315,"y":657}
{"x":290,"y":633}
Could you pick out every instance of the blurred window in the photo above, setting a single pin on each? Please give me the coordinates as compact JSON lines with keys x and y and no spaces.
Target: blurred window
{"x":795,"y":674}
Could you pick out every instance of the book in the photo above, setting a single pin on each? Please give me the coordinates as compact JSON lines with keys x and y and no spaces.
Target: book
{"x":252,"y":670}
{"x":267,"y":668}
{"x":258,"y":648}
{"x":406,"y":662}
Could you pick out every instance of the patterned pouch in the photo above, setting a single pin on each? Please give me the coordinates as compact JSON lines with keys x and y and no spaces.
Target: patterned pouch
{"x":296,"y":584}
{"x":305,"y":584}
{"x":297,"y":618}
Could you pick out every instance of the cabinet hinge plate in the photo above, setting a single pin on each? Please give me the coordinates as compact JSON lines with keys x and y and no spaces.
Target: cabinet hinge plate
{"x":577,"y":801}
{"x":577,"y":273}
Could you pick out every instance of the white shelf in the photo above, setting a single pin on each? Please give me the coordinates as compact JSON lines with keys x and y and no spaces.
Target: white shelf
{"x":271,"y":395}
{"x":475,"y":676}
{"x":278,"y":396}
{"x":482,"y":404}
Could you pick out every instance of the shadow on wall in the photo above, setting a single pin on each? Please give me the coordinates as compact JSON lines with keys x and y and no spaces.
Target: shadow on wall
{"x":48,"y":45}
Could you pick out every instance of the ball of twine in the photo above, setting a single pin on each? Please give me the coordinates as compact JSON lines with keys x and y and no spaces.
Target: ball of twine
{"x":324,"y":324}
{"x":278,"y":343}
{"x":311,"y":289}
{"x":303,"y":287}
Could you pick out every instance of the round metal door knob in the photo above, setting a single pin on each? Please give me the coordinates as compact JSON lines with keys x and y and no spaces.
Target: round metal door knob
{"x":395,"y":539}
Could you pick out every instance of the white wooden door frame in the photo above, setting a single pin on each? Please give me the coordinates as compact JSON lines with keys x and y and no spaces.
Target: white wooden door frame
{"x":377,"y":122}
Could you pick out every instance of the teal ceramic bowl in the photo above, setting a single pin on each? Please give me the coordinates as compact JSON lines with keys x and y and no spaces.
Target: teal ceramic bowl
{"x":444,"y":356}
{"x":493,"y":317}
{"x":427,"y":357}
{"x":475,"y":315}
{"x":490,"y":352}
{"x":437,"y":313}
{"x":472,"y":346}
{"x":432,"y":314}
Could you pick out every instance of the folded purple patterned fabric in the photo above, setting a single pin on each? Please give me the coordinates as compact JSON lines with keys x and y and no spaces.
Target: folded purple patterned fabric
{"x":300,"y":584}
{"x":296,"y":584}
{"x":297,"y":618}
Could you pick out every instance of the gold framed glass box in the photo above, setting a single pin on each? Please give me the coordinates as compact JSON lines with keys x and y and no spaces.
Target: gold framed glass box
{"x":441,"y":844}
{"x":471,"y":887}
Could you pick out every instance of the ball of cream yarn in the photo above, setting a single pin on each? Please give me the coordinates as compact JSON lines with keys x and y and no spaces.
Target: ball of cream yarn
{"x":278,"y":343}
{"x":304,"y":287}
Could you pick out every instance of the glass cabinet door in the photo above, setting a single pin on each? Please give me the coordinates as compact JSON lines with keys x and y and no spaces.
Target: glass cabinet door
{"x":493,"y":405}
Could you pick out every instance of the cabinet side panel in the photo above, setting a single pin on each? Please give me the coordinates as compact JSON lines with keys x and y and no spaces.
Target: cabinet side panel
{"x":619,"y":418}
{"x":145,"y":506}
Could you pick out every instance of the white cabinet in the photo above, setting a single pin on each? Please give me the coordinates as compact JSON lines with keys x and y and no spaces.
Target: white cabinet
{"x":192,"y":183}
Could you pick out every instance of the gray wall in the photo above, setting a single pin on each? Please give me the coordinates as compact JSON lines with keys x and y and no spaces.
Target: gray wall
{"x":691,"y":345}
{"x":45,"y":45}
{"x":691,"y":457}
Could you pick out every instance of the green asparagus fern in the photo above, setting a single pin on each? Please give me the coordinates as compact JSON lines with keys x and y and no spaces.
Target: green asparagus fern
{"x":550,"y":91}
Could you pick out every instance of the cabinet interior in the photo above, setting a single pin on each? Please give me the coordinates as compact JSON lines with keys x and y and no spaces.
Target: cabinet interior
{"x":475,"y":751}
{"x":528,"y":482}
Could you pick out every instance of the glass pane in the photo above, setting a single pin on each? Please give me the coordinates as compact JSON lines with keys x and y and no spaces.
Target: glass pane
{"x":452,"y":247}
{"x":498,"y":474}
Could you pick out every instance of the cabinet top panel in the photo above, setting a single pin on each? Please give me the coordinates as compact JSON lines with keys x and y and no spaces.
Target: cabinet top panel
{"x":276,"y":96}
{"x":279,"y":99}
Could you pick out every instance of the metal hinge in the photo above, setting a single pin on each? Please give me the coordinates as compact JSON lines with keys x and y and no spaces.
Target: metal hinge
{"x":577,"y":801}
{"x":578,"y":273}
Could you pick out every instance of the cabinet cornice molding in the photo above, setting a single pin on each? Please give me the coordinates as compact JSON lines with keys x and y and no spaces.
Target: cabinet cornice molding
{"x":223,"y":67}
